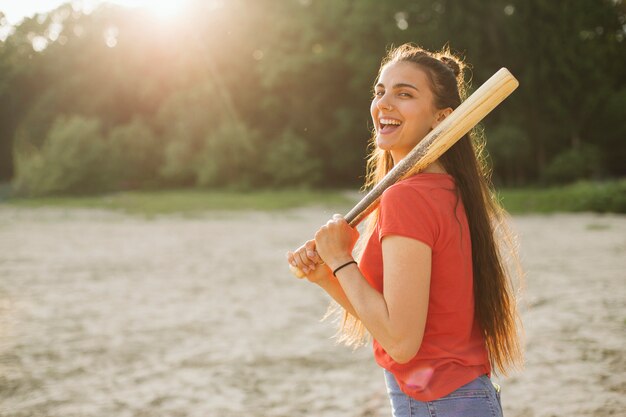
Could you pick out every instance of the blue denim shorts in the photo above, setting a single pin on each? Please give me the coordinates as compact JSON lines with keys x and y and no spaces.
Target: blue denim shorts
{"x":478,"y":398}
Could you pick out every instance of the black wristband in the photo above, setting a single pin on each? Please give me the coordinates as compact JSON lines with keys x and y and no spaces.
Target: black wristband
{"x":342,"y":266}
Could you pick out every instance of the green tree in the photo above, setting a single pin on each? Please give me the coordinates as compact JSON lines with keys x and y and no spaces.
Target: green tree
{"x":509,"y":149}
{"x":569,"y":59}
{"x":183,"y":122}
{"x":307,"y":68}
{"x":135,"y":155}
{"x":228,"y":158}
{"x":72,"y":160}
{"x":288,"y":162}
{"x":584,"y":161}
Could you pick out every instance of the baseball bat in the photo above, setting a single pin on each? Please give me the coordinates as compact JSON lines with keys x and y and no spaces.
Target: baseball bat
{"x":436,"y":142}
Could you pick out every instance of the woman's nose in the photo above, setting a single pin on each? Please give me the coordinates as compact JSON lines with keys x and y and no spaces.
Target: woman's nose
{"x":383,"y":103}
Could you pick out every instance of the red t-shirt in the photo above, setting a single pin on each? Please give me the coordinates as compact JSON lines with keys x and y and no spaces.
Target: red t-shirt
{"x":453,"y":350}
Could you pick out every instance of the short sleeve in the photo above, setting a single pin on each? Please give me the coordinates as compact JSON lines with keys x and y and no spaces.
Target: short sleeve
{"x":405,"y":211}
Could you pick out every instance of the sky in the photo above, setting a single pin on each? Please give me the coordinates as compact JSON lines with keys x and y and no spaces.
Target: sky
{"x":16,"y":10}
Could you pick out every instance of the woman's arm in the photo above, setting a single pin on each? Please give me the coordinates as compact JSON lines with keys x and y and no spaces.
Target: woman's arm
{"x":307,"y":260}
{"x":334,"y":289}
{"x":397,"y":317}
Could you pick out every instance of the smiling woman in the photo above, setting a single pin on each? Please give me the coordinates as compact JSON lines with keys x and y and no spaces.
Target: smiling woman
{"x":431,"y":286}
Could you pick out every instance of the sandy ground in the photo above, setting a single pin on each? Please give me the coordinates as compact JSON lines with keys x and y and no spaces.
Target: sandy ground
{"x":103,"y":314}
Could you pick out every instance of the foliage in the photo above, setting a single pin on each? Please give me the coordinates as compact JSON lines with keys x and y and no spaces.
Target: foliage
{"x":180,"y":159}
{"x":73,"y":160}
{"x":134,"y":155}
{"x":276,"y":92}
{"x":601,"y":197}
{"x":228,"y":157}
{"x":574,"y":164}
{"x":289,"y":162}
{"x":509,"y":148}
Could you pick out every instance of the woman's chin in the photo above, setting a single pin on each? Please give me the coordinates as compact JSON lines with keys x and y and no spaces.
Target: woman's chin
{"x":383,"y":143}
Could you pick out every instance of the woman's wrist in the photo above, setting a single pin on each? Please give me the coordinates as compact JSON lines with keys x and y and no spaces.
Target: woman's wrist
{"x":326,"y":282}
{"x":343,"y":266}
{"x":333,"y":264}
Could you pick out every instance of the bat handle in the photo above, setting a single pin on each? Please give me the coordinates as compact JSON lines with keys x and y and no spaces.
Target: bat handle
{"x":297,"y":272}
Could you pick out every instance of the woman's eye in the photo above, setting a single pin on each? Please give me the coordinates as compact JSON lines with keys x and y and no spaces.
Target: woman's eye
{"x":378,"y":93}
{"x":405,"y":95}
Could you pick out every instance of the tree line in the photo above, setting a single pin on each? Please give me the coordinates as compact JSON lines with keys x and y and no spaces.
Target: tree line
{"x":275,"y":93}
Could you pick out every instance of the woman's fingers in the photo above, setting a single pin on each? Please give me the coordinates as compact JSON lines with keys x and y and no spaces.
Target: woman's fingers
{"x":311,"y":253}
{"x":293,"y":266}
{"x":295,"y":260}
{"x":336,"y":239}
{"x":291,"y":260}
{"x":302,"y":261}
{"x":305,"y":257}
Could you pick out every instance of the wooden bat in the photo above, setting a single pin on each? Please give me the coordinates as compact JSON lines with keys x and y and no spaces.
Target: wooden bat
{"x":436,"y":142}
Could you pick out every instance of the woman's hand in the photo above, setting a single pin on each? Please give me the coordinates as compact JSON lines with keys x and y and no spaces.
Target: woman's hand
{"x":308,"y":261}
{"x":334,"y":241}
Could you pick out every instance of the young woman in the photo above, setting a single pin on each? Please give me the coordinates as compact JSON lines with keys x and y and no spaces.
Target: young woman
{"x":431,"y":286}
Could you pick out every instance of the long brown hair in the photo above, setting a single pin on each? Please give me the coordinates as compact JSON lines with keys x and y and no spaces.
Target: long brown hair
{"x":492,"y":240}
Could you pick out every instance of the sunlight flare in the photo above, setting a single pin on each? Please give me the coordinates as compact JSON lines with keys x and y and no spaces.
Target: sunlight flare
{"x":164,"y":9}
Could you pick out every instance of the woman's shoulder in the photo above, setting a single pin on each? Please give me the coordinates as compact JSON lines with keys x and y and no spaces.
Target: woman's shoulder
{"x":406,"y":192}
{"x":425,"y":191}
{"x":429,"y":179}
{"x":407,"y":209}
{"x":421,"y":183}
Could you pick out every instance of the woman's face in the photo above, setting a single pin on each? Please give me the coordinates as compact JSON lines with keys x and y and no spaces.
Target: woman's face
{"x":402,"y":108}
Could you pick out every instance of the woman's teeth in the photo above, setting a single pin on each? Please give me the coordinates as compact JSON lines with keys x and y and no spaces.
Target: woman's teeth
{"x":390,"y":122}
{"x":389,"y":125}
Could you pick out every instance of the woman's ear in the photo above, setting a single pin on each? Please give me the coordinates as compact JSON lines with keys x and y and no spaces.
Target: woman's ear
{"x":440,"y":115}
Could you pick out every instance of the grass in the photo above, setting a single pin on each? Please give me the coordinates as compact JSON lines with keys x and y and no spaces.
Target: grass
{"x":191,"y":201}
{"x":609,"y":196}
{"x":601,"y":197}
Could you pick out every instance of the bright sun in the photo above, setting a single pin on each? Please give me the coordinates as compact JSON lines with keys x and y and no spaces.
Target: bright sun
{"x":165,"y":9}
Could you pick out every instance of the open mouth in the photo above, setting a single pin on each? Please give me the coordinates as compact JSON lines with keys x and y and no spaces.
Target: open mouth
{"x":389,"y":126}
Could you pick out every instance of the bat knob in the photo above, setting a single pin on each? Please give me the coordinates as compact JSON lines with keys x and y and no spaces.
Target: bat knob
{"x":297,"y":272}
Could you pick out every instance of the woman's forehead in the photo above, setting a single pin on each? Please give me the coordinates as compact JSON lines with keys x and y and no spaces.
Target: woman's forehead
{"x":402,"y":73}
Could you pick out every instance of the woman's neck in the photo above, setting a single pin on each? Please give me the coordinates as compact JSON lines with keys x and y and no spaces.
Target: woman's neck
{"x":433,"y":168}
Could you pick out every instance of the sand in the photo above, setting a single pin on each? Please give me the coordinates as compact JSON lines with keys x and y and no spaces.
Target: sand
{"x":106,"y":314}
